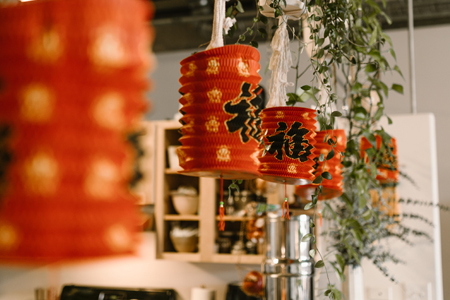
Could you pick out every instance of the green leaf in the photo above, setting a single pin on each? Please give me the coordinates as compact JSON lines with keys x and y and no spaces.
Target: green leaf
{"x":336,"y":114}
{"x":262,"y":32}
{"x":367,"y":214}
{"x":318,"y":179}
{"x":327,"y":175}
{"x":337,"y":294}
{"x":263,"y":19}
{"x":229,"y":11}
{"x":320,"y":53}
{"x":396,"y":68}
{"x":330,"y":156}
{"x":388,"y":19}
{"x":321,"y":157}
{"x":306,"y":87}
{"x":378,"y":114}
{"x":340,"y":260}
{"x":393,"y":53}
{"x":362,"y":202}
{"x":373,"y":37}
{"x":312,"y":253}
{"x":356,"y":87}
{"x":278,"y":12}
{"x":398,"y":88}
{"x":239,"y":7}
{"x":319,"y":264}
{"x":371,"y":68}
{"x":254,"y":44}
{"x":308,"y":206}
{"x":307,"y":237}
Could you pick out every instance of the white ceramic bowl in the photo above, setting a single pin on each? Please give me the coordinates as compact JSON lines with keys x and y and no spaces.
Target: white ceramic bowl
{"x":184,"y":243}
{"x":185,"y":204}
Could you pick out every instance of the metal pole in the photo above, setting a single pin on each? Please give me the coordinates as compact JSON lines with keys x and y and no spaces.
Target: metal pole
{"x":412,"y":63}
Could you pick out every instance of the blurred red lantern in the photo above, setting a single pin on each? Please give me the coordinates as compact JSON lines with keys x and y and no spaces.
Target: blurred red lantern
{"x":330,"y":188}
{"x":73,"y":74}
{"x":387,"y":167}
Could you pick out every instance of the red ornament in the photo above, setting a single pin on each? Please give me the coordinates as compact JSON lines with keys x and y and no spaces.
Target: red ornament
{"x":387,"y":168}
{"x":72,"y":77}
{"x":287,"y":151}
{"x":220,"y":113}
{"x":253,"y":284}
{"x":330,"y":188}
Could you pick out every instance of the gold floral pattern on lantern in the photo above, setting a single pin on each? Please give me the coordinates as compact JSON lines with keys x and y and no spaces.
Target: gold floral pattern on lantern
{"x":102,"y":179}
{"x":107,"y":48}
{"x":292,"y":168}
{"x":243,"y":67}
{"x":213,"y":66}
{"x":279,"y":115}
{"x":212,"y":125}
{"x":37,"y":103}
{"x":46,"y":48}
{"x":8,"y":236}
{"x":264,"y":167}
{"x":41,"y":173}
{"x":189,"y":98}
{"x":108,"y":111}
{"x":214,"y":95}
{"x":223,"y":154}
{"x":118,"y":238}
{"x":192,"y":68}
{"x":306,"y":116}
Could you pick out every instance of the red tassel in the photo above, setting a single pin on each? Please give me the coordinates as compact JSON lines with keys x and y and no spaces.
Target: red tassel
{"x":221,"y":220}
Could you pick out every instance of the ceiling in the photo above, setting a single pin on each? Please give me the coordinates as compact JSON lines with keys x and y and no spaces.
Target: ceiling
{"x":186,"y":24}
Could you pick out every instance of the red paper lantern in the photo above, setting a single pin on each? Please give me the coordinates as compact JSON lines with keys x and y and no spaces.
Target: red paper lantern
{"x":387,"y":168}
{"x":220,"y":113}
{"x":330,"y":188}
{"x":73,"y":74}
{"x":288,"y":144}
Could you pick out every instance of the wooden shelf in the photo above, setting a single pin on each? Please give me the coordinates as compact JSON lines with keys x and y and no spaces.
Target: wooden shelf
{"x":235,"y":218}
{"x":172,"y":171}
{"x":181,"y":256}
{"x":181,"y":217}
{"x":168,"y":179}
{"x":238,"y":259}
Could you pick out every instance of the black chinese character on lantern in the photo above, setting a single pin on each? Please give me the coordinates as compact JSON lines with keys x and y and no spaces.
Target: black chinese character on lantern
{"x":290,"y":142}
{"x":245,"y":108}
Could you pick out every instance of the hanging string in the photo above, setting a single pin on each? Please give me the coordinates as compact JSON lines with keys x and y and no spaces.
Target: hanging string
{"x":286,"y":203}
{"x":218,"y":24}
{"x":280,"y":63}
{"x":221,"y":209}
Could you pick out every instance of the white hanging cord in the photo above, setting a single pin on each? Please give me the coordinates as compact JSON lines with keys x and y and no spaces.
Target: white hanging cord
{"x":218,"y":24}
{"x":412,"y":63}
{"x":280,"y":63}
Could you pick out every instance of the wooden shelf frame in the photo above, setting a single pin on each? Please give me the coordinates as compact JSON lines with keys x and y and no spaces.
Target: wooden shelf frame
{"x":206,"y":217}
